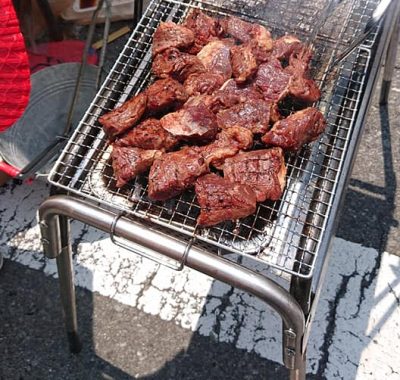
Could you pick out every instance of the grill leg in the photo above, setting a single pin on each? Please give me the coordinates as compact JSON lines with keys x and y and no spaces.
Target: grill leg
{"x":390,"y":63}
{"x":300,"y":373}
{"x":67,"y":287}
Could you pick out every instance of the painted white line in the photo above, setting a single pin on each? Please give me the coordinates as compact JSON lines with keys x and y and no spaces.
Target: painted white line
{"x":355,"y":334}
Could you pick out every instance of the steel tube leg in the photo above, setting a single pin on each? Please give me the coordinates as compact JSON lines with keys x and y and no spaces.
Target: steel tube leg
{"x":300,"y":372}
{"x":390,"y":62}
{"x":67,"y":287}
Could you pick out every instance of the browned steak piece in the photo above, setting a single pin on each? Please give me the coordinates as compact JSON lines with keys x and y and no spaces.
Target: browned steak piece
{"x":299,"y":62}
{"x":221,"y":200}
{"x":178,"y":65}
{"x":244,"y":63}
{"x":285,"y":46}
{"x":232,"y":93}
{"x":169,"y":34}
{"x":203,"y":83}
{"x":272,"y":80}
{"x":215,"y":57}
{"x":228,"y":142}
{"x":124,"y":117}
{"x":304,"y":90}
{"x":263,"y":170}
{"x":246,"y":32}
{"x":253,"y":114}
{"x":149,"y":134}
{"x":204,"y":27}
{"x":174,"y":172}
{"x":165,"y":94}
{"x":296,"y":130}
{"x":128,"y":162}
{"x":191,"y":123}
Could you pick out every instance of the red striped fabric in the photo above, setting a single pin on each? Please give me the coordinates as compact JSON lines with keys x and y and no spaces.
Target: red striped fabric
{"x":14,"y":68}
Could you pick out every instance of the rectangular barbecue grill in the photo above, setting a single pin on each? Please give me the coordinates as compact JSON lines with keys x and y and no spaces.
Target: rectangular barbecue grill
{"x":290,"y":236}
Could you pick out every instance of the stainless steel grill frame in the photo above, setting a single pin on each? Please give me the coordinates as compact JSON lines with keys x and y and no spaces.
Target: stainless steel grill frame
{"x":278,"y":231}
{"x":325,"y":171}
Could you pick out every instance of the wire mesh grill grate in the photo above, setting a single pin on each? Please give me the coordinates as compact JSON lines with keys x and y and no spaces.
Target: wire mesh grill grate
{"x":284,"y":234}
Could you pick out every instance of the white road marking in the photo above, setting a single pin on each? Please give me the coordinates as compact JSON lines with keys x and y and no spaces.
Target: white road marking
{"x":359,"y":309}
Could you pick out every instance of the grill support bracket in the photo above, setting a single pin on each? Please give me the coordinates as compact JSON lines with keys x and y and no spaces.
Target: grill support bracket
{"x":54,"y":215}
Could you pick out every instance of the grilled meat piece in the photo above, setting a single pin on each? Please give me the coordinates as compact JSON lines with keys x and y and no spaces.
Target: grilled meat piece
{"x":244,"y":63}
{"x":128,"y":162}
{"x":296,"y":130}
{"x":203,"y":83}
{"x":253,"y":114}
{"x":259,"y":38}
{"x":204,"y":27}
{"x":285,"y":46}
{"x":272,"y":80}
{"x":149,"y":134}
{"x":171,"y":35}
{"x":165,"y":94}
{"x":222,"y":200}
{"x":178,"y":65}
{"x":232,"y":93}
{"x":299,"y":62}
{"x":244,"y":31}
{"x":215,"y":57}
{"x":276,"y":83}
{"x":263,"y":170}
{"x":174,"y":172}
{"x":304,"y":90}
{"x":191,"y":123}
{"x":124,"y":117}
{"x":228,"y":142}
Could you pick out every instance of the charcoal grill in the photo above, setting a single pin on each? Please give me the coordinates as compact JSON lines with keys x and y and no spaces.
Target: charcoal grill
{"x":289,"y":237}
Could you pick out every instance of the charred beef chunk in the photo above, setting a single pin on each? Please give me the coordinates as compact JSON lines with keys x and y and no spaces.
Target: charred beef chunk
{"x":299,"y":62}
{"x":192,"y":124}
{"x":253,"y":114}
{"x":244,"y":63}
{"x":232,"y":93}
{"x":304,"y":90}
{"x":285,"y":46}
{"x":276,"y":83}
{"x":296,"y":130}
{"x":165,"y":94}
{"x":221,"y":200}
{"x":171,"y":35}
{"x":273,"y":81}
{"x":128,"y":162}
{"x":124,"y":117}
{"x":263,"y":170}
{"x":174,"y":172}
{"x":203,"y":83}
{"x":204,"y":28}
{"x":259,"y":38}
{"x":228,"y":142}
{"x":149,"y":134}
{"x":177,"y":65}
{"x":215,"y":57}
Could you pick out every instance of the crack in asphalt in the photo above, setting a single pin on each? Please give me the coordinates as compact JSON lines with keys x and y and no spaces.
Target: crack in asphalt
{"x":331,"y":326}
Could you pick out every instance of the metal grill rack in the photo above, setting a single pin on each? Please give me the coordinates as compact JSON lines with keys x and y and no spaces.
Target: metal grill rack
{"x":291,"y":235}
{"x":284,"y":234}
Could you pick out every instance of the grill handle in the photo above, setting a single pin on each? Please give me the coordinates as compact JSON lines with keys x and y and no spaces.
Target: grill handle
{"x":148,"y":253}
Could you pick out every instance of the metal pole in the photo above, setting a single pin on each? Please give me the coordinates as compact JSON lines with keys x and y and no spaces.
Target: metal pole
{"x":219,"y":268}
{"x":390,"y":62}
{"x":67,"y":287}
